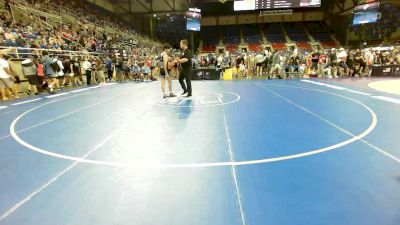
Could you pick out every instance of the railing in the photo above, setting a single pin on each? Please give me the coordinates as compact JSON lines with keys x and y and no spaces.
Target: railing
{"x":26,"y":11}
{"x":21,"y":53}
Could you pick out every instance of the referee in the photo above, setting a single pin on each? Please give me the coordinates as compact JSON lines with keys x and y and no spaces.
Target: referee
{"x":186,"y":64}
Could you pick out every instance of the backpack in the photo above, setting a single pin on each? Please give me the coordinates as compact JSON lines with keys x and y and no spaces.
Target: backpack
{"x":56,"y":68}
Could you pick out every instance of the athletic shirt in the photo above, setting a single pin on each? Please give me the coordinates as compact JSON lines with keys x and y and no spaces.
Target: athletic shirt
{"x":162,"y":62}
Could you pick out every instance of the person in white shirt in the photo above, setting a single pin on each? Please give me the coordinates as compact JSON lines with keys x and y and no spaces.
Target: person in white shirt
{"x":6,"y":81}
{"x":60,"y":74}
{"x":87,"y":66}
{"x":259,"y":64}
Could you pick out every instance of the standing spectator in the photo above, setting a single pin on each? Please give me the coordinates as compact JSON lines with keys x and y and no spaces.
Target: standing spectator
{"x":322,"y":63}
{"x":276,"y":64}
{"x":69,"y":75}
{"x":259,"y":64}
{"x":87,"y":66}
{"x":251,"y":63}
{"x":333,"y":63}
{"x":109,"y":68}
{"x":6,"y":80}
{"x":60,"y":72}
{"x":99,"y":71}
{"x":314,"y":62}
{"x":49,"y":67}
{"x":40,"y":74}
{"x":29,"y":70}
{"x":119,"y":69}
{"x":76,"y":70}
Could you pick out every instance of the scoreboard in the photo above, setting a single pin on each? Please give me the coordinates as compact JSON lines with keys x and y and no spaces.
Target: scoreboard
{"x":240,"y":5}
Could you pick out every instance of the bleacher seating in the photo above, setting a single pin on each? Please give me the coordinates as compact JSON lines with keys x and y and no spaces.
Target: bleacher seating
{"x":329,"y":44}
{"x":210,"y":38}
{"x":274,"y":33}
{"x":255,"y":47}
{"x":296,"y":32}
{"x":209,"y":48}
{"x":252,"y":34}
{"x":232,"y":47}
{"x":278,"y":46}
{"x":231,"y":34}
{"x":304,"y":45}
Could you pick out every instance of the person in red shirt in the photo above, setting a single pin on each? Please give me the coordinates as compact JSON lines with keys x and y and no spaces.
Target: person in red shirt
{"x":322,"y":63}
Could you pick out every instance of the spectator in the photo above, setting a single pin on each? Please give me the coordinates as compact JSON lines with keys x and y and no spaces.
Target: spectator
{"x":29,"y":70}
{"x":50,"y":73}
{"x":109,"y":68}
{"x":6,"y":79}
{"x":87,"y":66}
{"x":99,"y":71}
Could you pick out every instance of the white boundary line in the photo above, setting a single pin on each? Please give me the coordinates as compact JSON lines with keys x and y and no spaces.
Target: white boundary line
{"x":28,"y":128}
{"x":3,"y":107}
{"x":57,"y":95}
{"x":54,"y":179}
{"x":33,"y":100}
{"x":336,"y":126}
{"x":383,"y":98}
{"x":232,"y":159}
{"x":212,"y":164}
{"x":4,"y":137}
{"x":359,"y":92}
{"x":387,"y":99}
{"x":80,"y":90}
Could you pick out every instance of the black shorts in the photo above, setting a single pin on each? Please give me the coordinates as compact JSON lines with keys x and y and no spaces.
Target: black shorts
{"x":314,"y":65}
{"x":259,"y":64}
{"x":32,"y":79}
{"x":17,"y":80}
{"x":162,"y":73}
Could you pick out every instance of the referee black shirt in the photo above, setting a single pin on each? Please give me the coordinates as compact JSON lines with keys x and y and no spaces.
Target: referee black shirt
{"x":188,"y":55}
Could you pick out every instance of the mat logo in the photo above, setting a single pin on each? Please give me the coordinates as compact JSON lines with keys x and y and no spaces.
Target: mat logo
{"x":201,"y":99}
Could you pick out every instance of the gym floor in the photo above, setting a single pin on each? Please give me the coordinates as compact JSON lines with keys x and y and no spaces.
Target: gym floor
{"x":255,"y":152}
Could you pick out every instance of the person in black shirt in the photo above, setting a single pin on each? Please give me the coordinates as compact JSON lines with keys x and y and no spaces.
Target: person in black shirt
{"x":333,"y":62}
{"x":314,"y":61}
{"x":186,"y":64}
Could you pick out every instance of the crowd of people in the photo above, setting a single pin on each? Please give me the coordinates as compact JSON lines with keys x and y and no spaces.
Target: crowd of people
{"x":87,"y":33}
{"x":69,"y":54}
{"x":288,"y":63}
{"x":53,"y":73}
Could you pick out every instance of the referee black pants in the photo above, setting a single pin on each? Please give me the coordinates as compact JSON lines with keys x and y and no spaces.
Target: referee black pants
{"x":88,"y":77}
{"x":187,"y":75}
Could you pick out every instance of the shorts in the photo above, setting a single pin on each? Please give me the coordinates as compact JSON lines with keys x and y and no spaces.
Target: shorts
{"x":6,"y":82}
{"x":32,"y":79}
{"x":343,"y":65}
{"x":314,"y":65}
{"x":51,"y":75}
{"x":259,"y":64}
{"x":60,"y":77}
{"x":17,"y":80}
{"x":162,"y":74}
